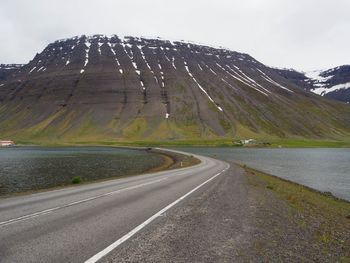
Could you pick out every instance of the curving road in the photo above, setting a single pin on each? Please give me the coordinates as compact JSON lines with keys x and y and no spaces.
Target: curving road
{"x":87,"y":222}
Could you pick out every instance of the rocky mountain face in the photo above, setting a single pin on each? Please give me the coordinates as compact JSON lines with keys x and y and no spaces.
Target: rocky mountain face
{"x":95,"y":88}
{"x":332,"y":83}
{"x":6,"y":71}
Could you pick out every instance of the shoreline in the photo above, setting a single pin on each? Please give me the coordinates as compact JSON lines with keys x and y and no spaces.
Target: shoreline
{"x":326,"y":194}
{"x":171,"y":160}
{"x":261,"y":143}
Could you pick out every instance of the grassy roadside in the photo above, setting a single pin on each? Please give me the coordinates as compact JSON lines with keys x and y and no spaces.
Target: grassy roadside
{"x":302,"y":197}
{"x":311,"y":143}
{"x":320,"y":220}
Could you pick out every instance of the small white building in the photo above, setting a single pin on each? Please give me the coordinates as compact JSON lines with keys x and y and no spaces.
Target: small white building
{"x":6,"y":143}
{"x":249,"y":141}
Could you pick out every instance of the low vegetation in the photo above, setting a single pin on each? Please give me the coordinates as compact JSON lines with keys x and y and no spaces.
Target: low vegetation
{"x":260,"y":142}
{"x":76,"y":180}
{"x":317,"y":220}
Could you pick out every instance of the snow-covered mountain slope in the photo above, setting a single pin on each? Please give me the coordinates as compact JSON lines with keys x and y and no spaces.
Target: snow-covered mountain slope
{"x":331,"y":83}
{"x":126,"y":88}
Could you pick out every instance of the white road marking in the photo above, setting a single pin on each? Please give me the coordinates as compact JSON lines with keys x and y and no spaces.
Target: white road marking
{"x":124,"y":238}
{"x":50,"y":210}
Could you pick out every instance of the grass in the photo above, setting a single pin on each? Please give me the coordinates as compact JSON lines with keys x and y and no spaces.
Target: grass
{"x":323,"y":218}
{"x":141,"y":143}
{"x":55,"y":130}
{"x":76,"y":180}
{"x":302,"y":197}
{"x":275,"y":143}
{"x":304,"y":143}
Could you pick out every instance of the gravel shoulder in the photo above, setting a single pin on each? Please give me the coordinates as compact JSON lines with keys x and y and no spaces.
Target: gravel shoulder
{"x":246,"y":216}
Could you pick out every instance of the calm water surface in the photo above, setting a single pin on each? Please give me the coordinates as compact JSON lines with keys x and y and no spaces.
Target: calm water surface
{"x":32,"y":168}
{"x":322,"y":169}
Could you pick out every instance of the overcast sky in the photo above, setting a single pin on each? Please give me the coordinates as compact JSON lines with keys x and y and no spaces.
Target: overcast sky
{"x":300,"y":34}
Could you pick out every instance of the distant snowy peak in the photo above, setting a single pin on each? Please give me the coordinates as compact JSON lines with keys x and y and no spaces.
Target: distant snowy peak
{"x":323,"y":91}
{"x":6,"y":70}
{"x":317,"y":77}
{"x":11,"y":66}
{"x":332,"y":83}
{"x":330,"y":80}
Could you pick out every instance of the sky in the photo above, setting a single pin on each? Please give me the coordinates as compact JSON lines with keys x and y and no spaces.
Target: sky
{"x":300,"y":34}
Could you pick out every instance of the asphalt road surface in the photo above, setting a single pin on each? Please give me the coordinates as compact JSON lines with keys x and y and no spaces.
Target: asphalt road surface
{"x":90,"y":222}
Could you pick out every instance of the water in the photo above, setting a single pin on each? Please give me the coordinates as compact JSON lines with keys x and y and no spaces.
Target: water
{"x":33,"y":168}
{"x":321,"y":169}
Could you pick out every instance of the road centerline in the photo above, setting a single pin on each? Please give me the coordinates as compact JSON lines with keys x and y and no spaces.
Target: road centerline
{"x":50,"y":210}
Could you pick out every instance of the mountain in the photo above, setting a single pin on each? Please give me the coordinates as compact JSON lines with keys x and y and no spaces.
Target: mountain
{"x":100,"y":88}
{"x":6,"y":70}
{"x":331,"y":83}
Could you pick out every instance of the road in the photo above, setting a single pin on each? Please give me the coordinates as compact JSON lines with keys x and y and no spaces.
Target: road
{"x":87,"y":222}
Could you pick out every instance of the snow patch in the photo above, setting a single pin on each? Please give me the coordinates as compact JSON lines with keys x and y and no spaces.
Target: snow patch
{"x":142,"y":85}
{"x":212,"y":71}
{"x":250,"y":79}
{"x":87,"y":50}
{"x":267,"y":78}
{"x":316,"y":76}
{"x":228,"y":84}
{"x":40,"y":68}
{"x":323,"y":91}
{"x":173,"y":62}
{"x":201,"y":88}
{"x":138,"y":72}
{"x":166,"y":57}
{"x":99,"y":47}
{"x":240,"y":79}
{"x":144,"y":57}
{"x":115,"y":56}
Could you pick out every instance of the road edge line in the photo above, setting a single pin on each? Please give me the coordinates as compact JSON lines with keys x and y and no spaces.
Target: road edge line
{"x":124,"y":238}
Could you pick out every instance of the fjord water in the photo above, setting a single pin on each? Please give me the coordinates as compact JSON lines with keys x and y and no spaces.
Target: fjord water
{"x":33,"y":168}
{"x":321,"y":169}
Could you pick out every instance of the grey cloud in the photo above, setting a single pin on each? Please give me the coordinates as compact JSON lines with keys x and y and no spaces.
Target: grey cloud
{"x":303,"y":34}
